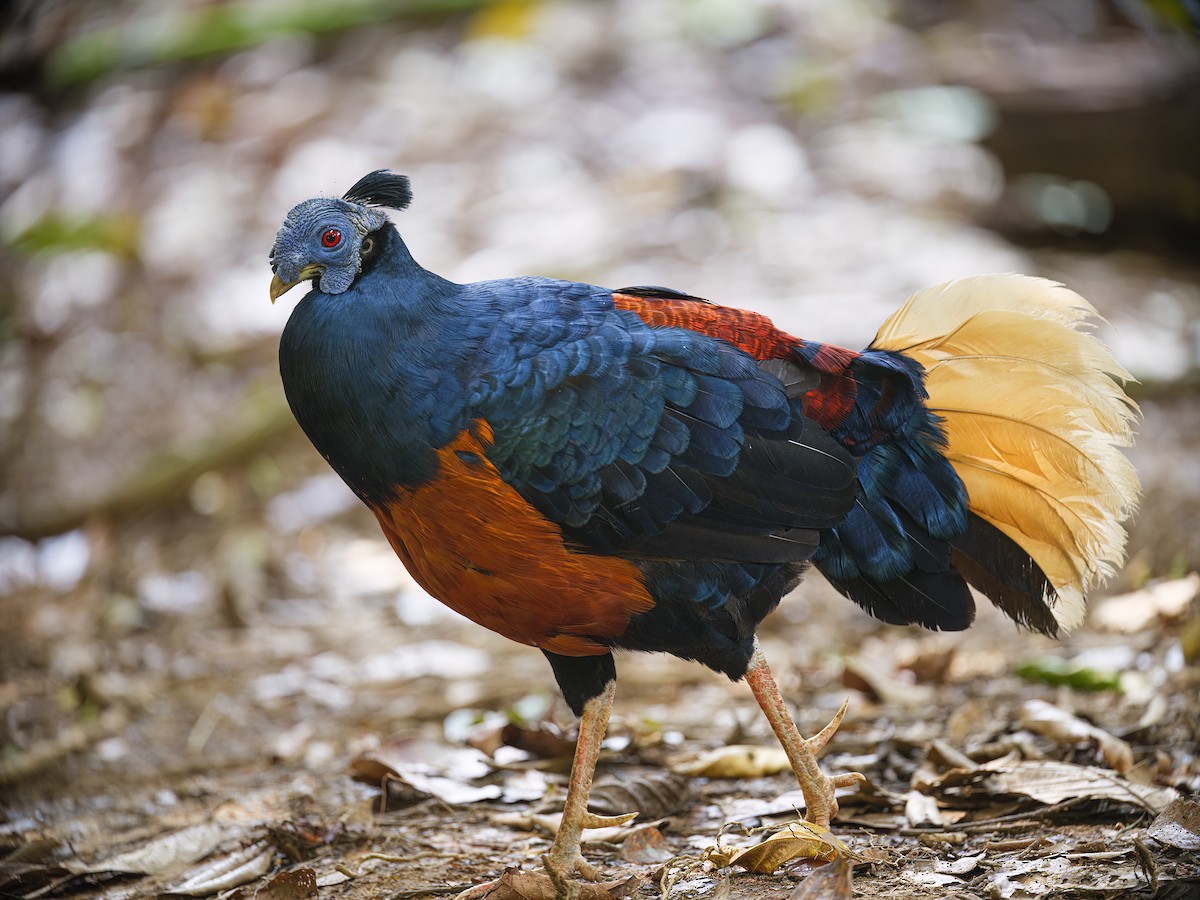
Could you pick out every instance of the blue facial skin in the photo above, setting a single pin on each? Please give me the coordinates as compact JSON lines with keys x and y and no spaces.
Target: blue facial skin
{"x":304,"y":246}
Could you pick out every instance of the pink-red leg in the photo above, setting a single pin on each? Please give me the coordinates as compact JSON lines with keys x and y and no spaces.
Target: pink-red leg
{"x":566,"y":856}
{"x":818,"y":788}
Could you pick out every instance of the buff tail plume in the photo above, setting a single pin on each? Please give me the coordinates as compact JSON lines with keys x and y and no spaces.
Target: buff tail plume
{"x":1035,"y":414}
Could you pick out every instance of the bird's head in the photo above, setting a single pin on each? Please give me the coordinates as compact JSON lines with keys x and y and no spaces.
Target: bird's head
{"x":324,"y":239}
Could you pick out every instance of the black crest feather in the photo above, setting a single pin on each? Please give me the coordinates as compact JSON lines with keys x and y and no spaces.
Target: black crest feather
{"x":381,"y":188}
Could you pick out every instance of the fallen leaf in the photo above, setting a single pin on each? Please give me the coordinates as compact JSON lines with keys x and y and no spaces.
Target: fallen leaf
{"x":1051,"y":781}
{"x":737,"y":761}
{"x":884,"y":683}
{"x":1045,"y":719}
{"x":290,"y":744}
{"x":1138,"y":610}
{"x":543,"y":740}
{"x":329,"y":879}
{"x":644,"y":846}
{"x":524,"y":786}
{"x":752,"y":811}
{"x":654,"y":796}
{"x":921,"y":809}
{"x":228,"y":871}
{"x":428,"y":767}
{"x":797,"y":840}
{"x":831,"y":882}
{"x":949,"y":757}
{"x":960,"y":866}
{"x":1081,"y":876}
{"x":167,"y":854}
{"x":298,"y":884}
{"x":930,"y":879}
{"x":448,"y":790}
{"x":1178,"y":825}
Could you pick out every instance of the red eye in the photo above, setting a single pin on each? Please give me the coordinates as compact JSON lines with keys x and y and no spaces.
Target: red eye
{"x":331,"y":238}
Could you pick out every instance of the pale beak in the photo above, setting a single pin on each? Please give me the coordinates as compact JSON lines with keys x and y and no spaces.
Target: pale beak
{"x":279,"y":287}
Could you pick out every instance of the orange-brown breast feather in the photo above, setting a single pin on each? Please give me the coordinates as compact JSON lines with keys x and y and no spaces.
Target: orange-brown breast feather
{"x":473,"y":542}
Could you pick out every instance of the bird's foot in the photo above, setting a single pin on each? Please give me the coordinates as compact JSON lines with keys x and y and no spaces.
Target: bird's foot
{"x":819,"y":789}
{"x":565,"y":858}
{"x":562,"y":874}
{"x":566,"y":865}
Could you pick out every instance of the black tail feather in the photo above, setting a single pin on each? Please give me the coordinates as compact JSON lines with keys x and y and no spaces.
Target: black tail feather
{"x":996,"y":566}
{"x":938,"y":600}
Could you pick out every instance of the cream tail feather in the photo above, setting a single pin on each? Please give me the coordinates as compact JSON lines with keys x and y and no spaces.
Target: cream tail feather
{"x":1035,"y":414}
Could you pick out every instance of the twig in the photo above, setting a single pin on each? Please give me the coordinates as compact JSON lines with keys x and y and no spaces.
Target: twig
{"x":160,"y":480}
{"x":1147,"y":864}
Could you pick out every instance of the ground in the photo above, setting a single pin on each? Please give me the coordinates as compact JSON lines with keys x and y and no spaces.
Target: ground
{"x":218,"y":748}
{"x":210,"y":659}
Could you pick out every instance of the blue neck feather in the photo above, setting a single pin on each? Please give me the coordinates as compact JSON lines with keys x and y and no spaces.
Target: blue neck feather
{"x":366,"y":371}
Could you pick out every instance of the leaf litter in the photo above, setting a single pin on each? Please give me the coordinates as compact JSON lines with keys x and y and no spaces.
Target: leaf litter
{"x":1063,"y":817}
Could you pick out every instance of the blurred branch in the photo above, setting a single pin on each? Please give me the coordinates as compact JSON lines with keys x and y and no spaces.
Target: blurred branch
{"x":161,"y":479}
{"x":55,"y":232}
{"x":182,"y":34}
{"x":23,"y":764}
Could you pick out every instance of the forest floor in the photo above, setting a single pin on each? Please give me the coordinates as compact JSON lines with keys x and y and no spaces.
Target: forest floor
{"x":230,"y":745}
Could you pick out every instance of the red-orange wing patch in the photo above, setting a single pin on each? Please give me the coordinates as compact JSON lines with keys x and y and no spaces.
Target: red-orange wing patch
{"x":751,"y":332}
{"x":828,"y":404}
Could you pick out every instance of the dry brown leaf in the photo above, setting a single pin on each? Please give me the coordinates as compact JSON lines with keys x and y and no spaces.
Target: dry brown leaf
{"x":430,"y":768}
{"x":1139,"y":610}
{"x":960,"y":866}
{"x":543,"y":740}
{"x":1178,"y":825}
{"x":797,"y":840}
{"x":921,"y":809}
{"x":1045,"y":719}
{"x":737,"y":761}
{"x":166,"y":854}
{"x":645,"y":845}
{"x":884,"y":683}
{"x":298,"y":884}
{"x":228,"y":871}
{"x":831,"y":882}
{"x":1051,"y":781}
{"x":654,"y":795}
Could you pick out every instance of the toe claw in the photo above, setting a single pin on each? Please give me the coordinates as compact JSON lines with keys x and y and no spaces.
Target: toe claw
{"x":817,"y":742}
{"x":847,"y":779}
{"x":591,"y":820}
{"x":479,"y":891}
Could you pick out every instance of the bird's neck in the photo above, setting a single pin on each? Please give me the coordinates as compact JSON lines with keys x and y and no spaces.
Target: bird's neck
{"x":372,"y":373}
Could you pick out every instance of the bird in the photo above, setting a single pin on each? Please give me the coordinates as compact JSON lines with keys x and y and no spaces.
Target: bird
{"x":587,"y":470}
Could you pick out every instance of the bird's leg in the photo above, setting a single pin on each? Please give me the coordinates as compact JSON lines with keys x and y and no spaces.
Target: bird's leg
{"x":565,"y":857}
{"x":818,"y":788}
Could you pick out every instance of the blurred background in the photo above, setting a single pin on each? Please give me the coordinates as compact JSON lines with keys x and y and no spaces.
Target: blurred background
{"x":177,"y":558}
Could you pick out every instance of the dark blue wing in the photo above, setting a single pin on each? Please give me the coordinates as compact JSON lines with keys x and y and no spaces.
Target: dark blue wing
{"x":655,"y":442}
